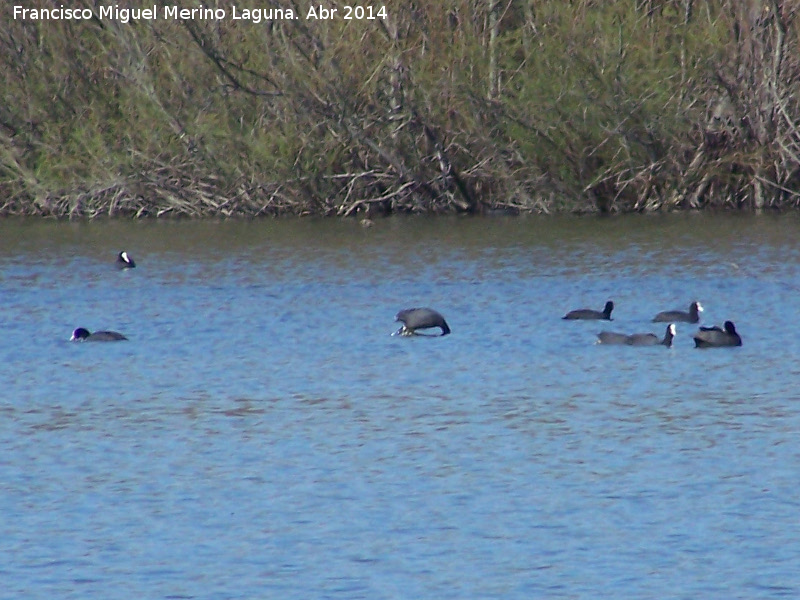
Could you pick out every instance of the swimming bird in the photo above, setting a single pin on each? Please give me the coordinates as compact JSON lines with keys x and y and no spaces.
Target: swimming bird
{"x":612,"y":337}
{"x":124,"y":261}
{"x":693,"y":316}
{"x":83,"y":335}
{"x":714,"y":337}
{"x":420,"y":318}
{"x":637,"y":339}
{"x":588,"y":314}
{"x":650,"y":339}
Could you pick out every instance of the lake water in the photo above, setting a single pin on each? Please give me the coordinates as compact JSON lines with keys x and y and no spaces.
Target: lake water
{"x":262,"y":435}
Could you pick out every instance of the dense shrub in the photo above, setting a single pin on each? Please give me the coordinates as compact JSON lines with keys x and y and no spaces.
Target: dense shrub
{"x":453,"y":105}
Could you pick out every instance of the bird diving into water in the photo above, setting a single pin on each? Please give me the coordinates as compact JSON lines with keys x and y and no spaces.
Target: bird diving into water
{"x":420,"y":318}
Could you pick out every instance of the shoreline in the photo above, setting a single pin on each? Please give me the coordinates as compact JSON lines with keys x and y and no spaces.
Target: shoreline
{"x":62,"y":211}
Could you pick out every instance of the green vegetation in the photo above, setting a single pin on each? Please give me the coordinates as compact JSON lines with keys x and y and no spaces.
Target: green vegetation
{"x":444,"y":106}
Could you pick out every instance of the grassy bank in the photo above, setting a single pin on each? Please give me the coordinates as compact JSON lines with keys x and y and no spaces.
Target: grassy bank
{"x":460,"y":105}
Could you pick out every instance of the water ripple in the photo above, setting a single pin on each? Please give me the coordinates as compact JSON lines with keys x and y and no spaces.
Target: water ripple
{"x":263,"y":435}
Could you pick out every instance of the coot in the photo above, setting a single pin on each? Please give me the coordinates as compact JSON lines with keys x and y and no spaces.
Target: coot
{"x":714,"y":337}
{"x":650,"y":339}
{"x":83,"y":335}
{"x":589,"y":314}
{"x":693,"y":316}
{"x":612,"y":337}
{"x":637,"y":339}
{"x":420,"y":318}
{"x":124,"y":261}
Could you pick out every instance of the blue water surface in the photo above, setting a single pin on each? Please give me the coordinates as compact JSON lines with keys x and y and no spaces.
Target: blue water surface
{"x":262,"y":435}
